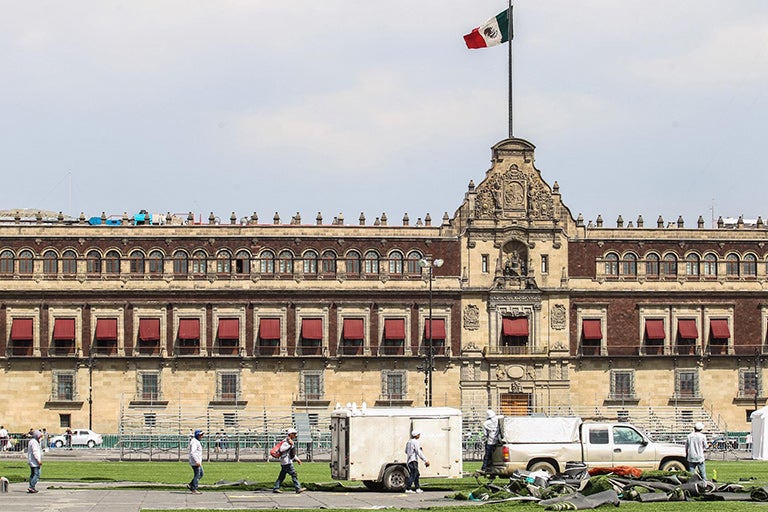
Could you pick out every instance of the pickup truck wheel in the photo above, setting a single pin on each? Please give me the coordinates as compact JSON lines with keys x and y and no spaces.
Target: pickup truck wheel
{"x":543,"y":465}
{"x":373,"y":485}
{"x":395,"y":478}
{"x":673,"y":465}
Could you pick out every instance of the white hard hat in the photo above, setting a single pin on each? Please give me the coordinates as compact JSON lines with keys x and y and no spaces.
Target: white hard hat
{"x":415,"y":433}
{"x":489,"y":413}
{"x":698,"y":426}
{"x":292,"y":431}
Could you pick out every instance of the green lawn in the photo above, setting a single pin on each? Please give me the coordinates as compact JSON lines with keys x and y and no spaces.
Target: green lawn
{"x":314,"y":475}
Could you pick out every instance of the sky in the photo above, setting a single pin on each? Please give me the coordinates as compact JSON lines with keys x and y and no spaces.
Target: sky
{"x":636,"y":108}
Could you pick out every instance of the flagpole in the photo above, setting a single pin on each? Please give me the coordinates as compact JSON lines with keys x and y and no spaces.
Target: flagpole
{"x":509,"y":69}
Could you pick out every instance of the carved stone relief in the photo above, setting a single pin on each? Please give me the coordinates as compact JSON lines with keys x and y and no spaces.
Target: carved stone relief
{"x":471,"y":317}
{"x":557,"y":319}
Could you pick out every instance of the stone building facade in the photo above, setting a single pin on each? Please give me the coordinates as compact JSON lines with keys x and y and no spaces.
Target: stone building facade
{"x":531,"y":311}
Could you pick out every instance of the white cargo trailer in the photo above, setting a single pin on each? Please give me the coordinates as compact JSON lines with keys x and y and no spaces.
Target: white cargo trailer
{"x":369,"y":444}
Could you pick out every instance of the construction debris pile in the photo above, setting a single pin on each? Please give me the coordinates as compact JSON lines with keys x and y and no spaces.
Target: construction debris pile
{"x":579,"y":489}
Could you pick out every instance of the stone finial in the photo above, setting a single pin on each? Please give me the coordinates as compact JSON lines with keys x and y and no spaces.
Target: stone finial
{"x":60,"y":218}
{"x":640,"y":221}
{"x":590,"y":225}
{"x":276,"y":218}
{"x":700,"y":222}
{"x":599,"y":220}
{"x":580,"y":220}
{"x":471,"y":186}
{"x":555,"y":188}
{"x":126,"y":219}
{"x":446,"y":219}
{"x":211,"y":219}
{"x":341,"y":219}
{"x":319,"y":219}
{"x":630,"y":225}
{"x":377,"y":222}
{"x":720,"y":222}
{"x":406,"y":220}
{"x":233,"y":218}
{"x":297,"y":218}
{"x":660,"y":222}
{"x":39,"y":217}
{"x":384,"y":219}
{"x":361,"y":219}
{"x":255,"y":218}
{"x":620,"y":222}
{"x":80,"y":219}
{"x":680,"y":222}
{"x":740,"y":222}
{"x":168,"y":217}
{"x":103,"y":217}
{"x":759,"y":221}
{"x":190,"y":217}
{"x":428,"y":220}
{"x":419,"y":222}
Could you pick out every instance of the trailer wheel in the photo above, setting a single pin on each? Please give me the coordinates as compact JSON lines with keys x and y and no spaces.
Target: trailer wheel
{"x":395,"y":478}
{"x":543,"y":465}
{"x":373,"y":485}
{"x":673,"y":465}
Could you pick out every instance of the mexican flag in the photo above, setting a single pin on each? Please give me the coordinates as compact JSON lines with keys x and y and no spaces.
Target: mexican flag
{"x":493,"y":32}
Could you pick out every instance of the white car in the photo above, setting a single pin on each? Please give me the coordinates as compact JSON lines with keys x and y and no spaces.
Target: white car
{"x":80,"y":437}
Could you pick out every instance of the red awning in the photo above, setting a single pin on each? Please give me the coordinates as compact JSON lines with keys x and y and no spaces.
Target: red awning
{"x":269,"y":329}
{"x":394,"y":329}
{"x":189,"y":329}
{"x":149,"y":329}
{"x":719,"y":328}
{"x":106,"y":329}
{"x":312,"y":328}
{"x":514,"y":326}
{"x":229,"y":328}
{"x":353,"y":329}
{"x":64,"y":329}
{"x":439,"y":329}
{"x":686,"y":329}
{"x":654,"y":329}
{"x":21,"y":330}
{"x":591,"y":329}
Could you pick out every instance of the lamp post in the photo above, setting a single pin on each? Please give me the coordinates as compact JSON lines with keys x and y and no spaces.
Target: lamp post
{"x":430,"y":264}
{"x":90,"y":389}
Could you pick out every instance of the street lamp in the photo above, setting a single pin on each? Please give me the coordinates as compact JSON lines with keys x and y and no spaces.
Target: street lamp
{"x":431,"y":264}
{"x":90,"y":388}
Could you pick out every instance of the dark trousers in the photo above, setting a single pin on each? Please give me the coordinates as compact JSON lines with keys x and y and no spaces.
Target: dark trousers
{"x":198,"y":474}
{"x":287,"y":469}
{"x":413,"y":475}
{"x":488,"y":457}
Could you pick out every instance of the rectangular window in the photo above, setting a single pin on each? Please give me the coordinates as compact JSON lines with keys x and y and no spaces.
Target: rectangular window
{"x":544,"y":264}
{"x":150,"y":419}
{"x":687,"y":384}
{"x":150,"y":387}
{"x":65,"y":420}
{"x":230,"y":419}
{"x":395,"y":386}
{"x":622,"y":385}
{"x":749,"y":383}
{"x":228,"y":386}
{"x":312,"y":387}
{"x":484,"y":263}
{"x":63,"y":386}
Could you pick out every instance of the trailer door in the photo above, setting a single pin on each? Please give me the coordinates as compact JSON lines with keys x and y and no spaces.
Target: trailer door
{"x":436,"y":443}
{"x":340,"y":447}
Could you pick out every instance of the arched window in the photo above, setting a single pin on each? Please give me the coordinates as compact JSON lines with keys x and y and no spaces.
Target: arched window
{"x":692,"y":265}
{"x":137,"y":262}
{"x":396,"y":263}
{"x":371,"y":263}
{"x":112,"y":262}
{"x":50,"y":263}
{"x":310,"y":263}
{"x":629,"y":265}
{"x":669,"y":265}
{"x":155,"y":262}
{"x":285,"y":262}
{"x":412,"y":266}
{"x":267,"y":262}
{"x":243,"y":262}
{"x":180,"y":263}
{"x":224,"y":262}
{"x":328,"y":261}
{"x":611,"y":264}
{"x":709,"y":265}
{"x":69,"y":263}
{"x":352,"y":263}
{"x":732,"y":265}
{"x":6,"y":262}
{"x":652,"y":265}
{"x":26,"y":262}
{"x":749,"y":265}
{"x":199,"y":263}
{"x":93,"y":263}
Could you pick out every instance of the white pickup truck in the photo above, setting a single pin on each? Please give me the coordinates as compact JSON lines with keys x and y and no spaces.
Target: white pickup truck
{"x":546,"y":443}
